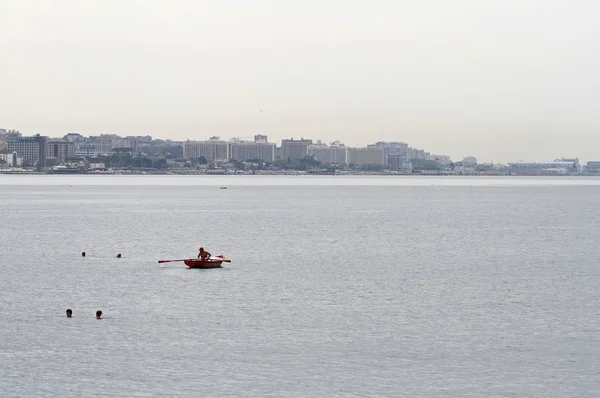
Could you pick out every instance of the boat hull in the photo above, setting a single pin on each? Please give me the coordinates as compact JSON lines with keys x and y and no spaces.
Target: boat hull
{"x":203,"y":264}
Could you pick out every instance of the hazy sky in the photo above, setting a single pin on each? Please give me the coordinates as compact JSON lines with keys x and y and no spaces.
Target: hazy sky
{"x":499,"y":79}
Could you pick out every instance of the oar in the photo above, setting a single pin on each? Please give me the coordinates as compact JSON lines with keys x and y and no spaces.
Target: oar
{"x":169,"y":261}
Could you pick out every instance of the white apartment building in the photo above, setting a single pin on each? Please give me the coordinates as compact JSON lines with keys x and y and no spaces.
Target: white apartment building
{"x":294,"y":149}
{"x":371,"y":155}
{"x":394,"y":148}
{"x":242,"y":151}
{"x":329,"y":154}
{"x":211,"y":150}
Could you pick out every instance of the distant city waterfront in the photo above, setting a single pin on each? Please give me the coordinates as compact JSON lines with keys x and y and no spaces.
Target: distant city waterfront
{"x":113,"y":154}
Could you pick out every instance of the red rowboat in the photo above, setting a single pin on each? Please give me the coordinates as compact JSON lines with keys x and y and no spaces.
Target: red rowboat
{"x":213,"y":262}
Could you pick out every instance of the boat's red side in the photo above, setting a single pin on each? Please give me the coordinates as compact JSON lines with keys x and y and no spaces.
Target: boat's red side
{"x":203,"y":264}
{"x":213,"y":262}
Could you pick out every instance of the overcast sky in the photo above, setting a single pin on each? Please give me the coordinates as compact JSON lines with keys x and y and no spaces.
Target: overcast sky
{"x":502,"y":80}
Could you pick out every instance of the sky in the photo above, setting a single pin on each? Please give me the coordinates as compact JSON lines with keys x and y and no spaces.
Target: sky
{"x":502,"y":80}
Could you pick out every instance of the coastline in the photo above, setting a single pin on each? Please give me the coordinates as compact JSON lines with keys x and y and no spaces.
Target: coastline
{"x":427,"y":173}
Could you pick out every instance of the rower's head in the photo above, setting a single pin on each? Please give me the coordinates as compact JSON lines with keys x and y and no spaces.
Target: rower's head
{"x":69,"y":313}
{"x":201,"y":249}
{"x":98,"y":314}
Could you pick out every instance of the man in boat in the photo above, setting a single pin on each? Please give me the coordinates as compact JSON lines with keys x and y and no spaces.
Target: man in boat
{"x":203,"y":254}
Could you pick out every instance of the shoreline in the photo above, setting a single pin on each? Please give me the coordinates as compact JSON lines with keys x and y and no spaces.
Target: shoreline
{"x":283,"y":173}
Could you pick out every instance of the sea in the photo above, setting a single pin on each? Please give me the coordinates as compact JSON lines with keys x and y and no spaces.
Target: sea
{"x":339,"y":286}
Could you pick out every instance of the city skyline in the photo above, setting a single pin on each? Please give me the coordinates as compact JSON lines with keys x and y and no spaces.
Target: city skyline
{"x":335,"y":141}
{"x":258,"y":139}
{"x":75,"y":153}
{"x":502,"y":81}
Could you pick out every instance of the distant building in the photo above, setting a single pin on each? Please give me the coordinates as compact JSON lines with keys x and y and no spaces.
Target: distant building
{"x":465,"y":168}
{"x":442,"y":159}
{"x":104,"y":143}
{"x":31,"y":149}
{"x":88,"y":151}
{"x":418,"y":154}
{"x":128,"y":144}
{"x":335,"y":153}
{"x":10,"y":160}
{"x":11,"y":135}
{"x":371,"y":155}
{"x":2,"y":140}
{"x":543,"y":168}
{"x":575,"y":161}
{"x":211,"y":150}
{"x":592,"y":167}
{"x":60,"y":150}
{"x":260,"y":139}
{"x":294,"y":149}
{"x":140,"y":139}
{"x":399,"y":149}
{"x":107,"y":144}
{"x":243,"y":151}
{"x":398,"y":163}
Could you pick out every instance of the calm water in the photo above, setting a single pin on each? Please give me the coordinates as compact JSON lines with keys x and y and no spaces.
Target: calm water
{"x":353,"y":286}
